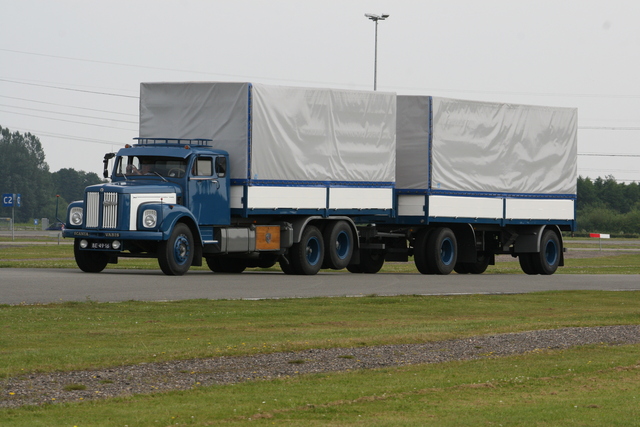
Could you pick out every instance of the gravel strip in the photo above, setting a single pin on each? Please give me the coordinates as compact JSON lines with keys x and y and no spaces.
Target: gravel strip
{"x":37,"y":389}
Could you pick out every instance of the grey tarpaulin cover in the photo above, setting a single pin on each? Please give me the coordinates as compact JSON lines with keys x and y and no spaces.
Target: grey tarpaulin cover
{"x":277,"y":133}
{"x":486,"y":147}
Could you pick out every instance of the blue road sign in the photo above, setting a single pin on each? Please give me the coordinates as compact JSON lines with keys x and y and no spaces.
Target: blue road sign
{"x":8,"y":200}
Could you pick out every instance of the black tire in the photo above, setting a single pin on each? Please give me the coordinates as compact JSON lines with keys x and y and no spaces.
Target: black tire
{"x":480,"y":266}
{"x":442,"y":250}
{"x":267,"y":260}
{"x":338,"y":245}
{"x":89,"y":261}
{"x":546,"y":262}
{"x":307,"y":255}
{"x":286,"y":267}
{"x":420,"y":251}
{"x":371,"y":261}
{"x":354,"y":268}
{"x":526,"y":263}
{"x":225,"y":264}
{"x":176,"y":254}
{"x":461,"y":268}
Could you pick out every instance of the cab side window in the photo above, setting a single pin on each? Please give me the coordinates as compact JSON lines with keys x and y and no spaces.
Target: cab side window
{"x":203,"y":166}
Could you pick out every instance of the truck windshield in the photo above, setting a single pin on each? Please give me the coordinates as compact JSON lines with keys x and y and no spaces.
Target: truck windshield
{"x":170,"y":167}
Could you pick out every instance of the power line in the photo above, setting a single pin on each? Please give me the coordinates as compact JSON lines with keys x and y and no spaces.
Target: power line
{"x":68,"y":114}
{"x":62,"y":136}
{"x":69,"y":89}
{"x":63,"y":120}
{"x":68,"y":106}
{"x":121,"y":64}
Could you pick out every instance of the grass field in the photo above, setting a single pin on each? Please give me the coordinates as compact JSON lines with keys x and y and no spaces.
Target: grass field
{"x":593,"y":385}
{"x":586,"y":386}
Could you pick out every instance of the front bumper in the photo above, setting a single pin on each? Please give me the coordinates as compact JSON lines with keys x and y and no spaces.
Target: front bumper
{"x":110,"y":235}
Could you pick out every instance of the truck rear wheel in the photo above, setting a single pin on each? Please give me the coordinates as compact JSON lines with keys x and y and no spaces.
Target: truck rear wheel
{"x":307,"y":255}
{"x":338,"y":241}
{"x":89,"y":261}
{"x":442,"y":251}
{"x":176,"y":254}
{"x":546,"y":262}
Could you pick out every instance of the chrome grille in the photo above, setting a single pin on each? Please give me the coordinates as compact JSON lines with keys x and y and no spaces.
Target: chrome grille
{"x":110,"y":210}
{"x":93,"y":210}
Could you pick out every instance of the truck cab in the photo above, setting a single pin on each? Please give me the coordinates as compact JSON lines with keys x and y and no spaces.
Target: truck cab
{"x":164,"y":200}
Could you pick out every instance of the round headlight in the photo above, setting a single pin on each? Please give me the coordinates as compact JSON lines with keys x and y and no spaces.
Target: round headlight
{"x":75,"y":216}
{"x":150,"y":218}
{"x":84,"y":244}
{"x":116,"y":244}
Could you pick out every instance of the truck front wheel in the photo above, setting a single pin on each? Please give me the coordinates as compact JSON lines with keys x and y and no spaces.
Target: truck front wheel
{"x":176,"y":254}
{"x":89,"y":261}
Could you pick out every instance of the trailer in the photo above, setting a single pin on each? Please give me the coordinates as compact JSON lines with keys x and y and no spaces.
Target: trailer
{"x":477,"y":179}
{"x":242,"y":175}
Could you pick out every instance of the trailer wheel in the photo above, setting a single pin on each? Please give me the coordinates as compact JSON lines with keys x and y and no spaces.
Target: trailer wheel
{"x":526,"y":263}
{"x":420,"y":251}
{"x":478,"y":267}
{"x":354,"y":268}
{"x":338,"y":241}
{"x":461,"y":268}
{"x":306,"y":256}
{"x":371,"y":261}
{"x":176,"y":254}
{"x":89,"y":261}
{"x":225,"y":264}
{"x":548,"y":259}
{"x":442,"y":250}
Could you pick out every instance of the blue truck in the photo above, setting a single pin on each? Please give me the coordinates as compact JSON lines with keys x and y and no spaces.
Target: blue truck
{"x":242,"y":175}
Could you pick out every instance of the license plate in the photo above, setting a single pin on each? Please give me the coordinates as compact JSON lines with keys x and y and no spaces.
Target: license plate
{"x":100,"y":245}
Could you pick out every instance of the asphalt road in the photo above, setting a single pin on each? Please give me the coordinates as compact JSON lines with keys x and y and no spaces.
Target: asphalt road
{"x":35,"y":285}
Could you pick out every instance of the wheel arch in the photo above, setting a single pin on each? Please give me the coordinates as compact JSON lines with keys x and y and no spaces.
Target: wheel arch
{"x":529,"y":239}
{"x":184,"y":216}
{"x":299,"y":224}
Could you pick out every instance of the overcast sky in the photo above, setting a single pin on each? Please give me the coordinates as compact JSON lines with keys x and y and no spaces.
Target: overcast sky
{"x":71,"y":70}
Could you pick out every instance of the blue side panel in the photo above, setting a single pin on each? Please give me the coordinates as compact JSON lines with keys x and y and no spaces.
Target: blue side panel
{"x":488,"y":194}
{"x":325,"y":184}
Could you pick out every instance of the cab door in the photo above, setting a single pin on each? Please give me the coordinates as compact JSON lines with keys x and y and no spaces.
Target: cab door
{"x":208,"y":190}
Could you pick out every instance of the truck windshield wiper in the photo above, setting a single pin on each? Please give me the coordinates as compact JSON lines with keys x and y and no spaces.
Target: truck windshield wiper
{"x":163,"y":178}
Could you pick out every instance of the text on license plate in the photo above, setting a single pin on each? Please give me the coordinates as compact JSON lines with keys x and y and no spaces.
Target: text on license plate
{"x":100,"y":245}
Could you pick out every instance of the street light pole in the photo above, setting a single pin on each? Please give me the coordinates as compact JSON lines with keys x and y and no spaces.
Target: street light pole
{"x":376,"y":18}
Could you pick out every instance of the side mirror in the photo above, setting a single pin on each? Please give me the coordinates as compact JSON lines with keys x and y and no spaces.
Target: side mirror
{"x":105,"y":162}
{"x":221,"y":166}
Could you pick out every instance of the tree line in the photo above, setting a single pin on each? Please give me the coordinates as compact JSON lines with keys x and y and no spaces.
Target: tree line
{"x":23,"y":170}
{"x":603,"y":206}
{"x":607,"y":206}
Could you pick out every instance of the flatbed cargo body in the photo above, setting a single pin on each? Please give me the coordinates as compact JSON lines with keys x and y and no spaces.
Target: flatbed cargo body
{"x":478,"y":162}
{"x":292,"y":150}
